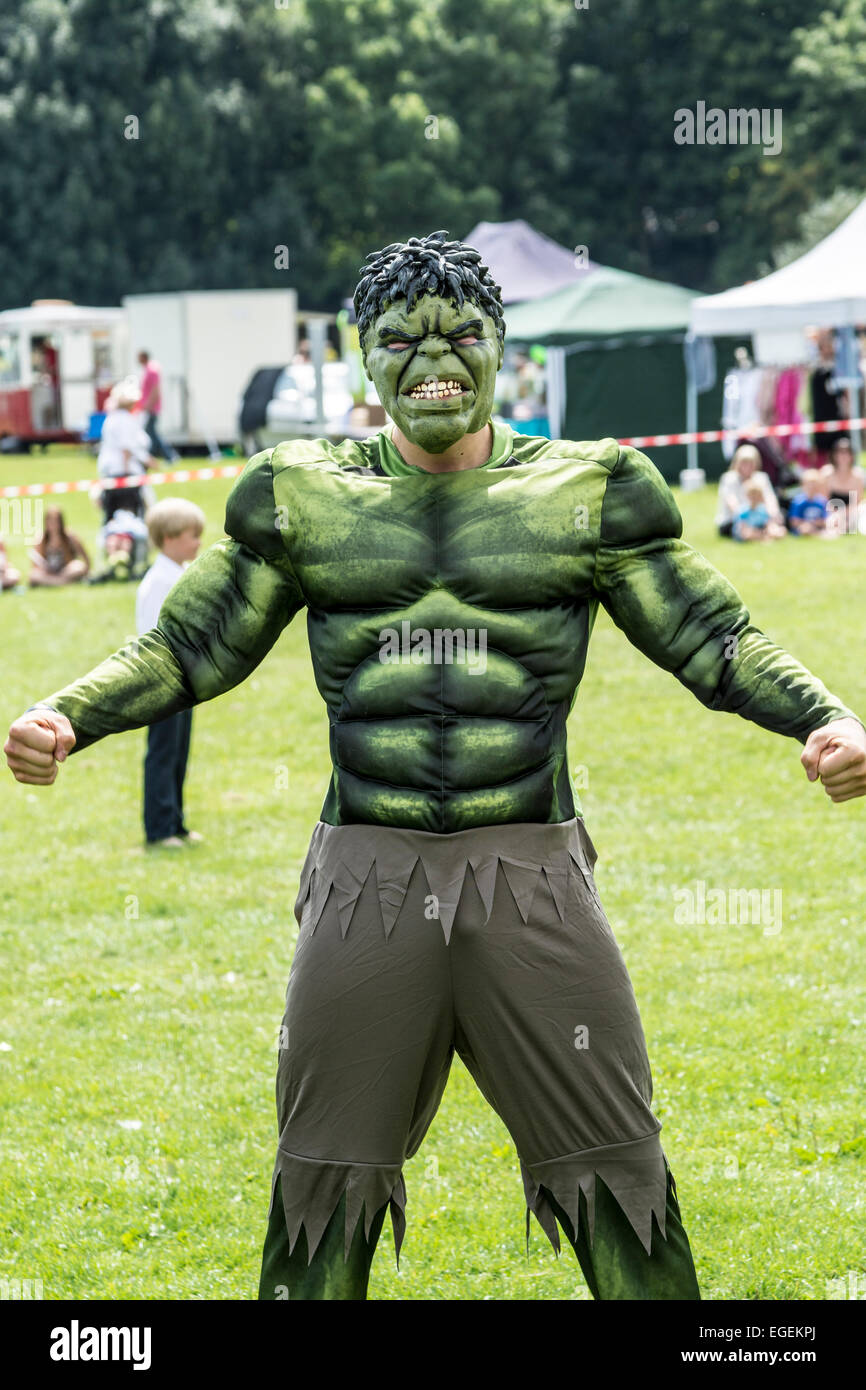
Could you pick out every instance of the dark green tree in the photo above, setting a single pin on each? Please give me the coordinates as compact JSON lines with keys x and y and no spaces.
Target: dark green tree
{"x":175,"y":143}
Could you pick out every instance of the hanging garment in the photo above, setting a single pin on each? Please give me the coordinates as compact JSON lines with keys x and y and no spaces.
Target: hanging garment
{"x":826,"y":403}
{"x":740,"y":410}
{"x":767,"y":395}
{"x":786,"y":412}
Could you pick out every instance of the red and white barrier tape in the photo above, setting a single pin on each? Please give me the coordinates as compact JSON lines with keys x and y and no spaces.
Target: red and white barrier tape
{"x":637,"y":441}
{"x":643,"y":441}
{"x":179,"y":475}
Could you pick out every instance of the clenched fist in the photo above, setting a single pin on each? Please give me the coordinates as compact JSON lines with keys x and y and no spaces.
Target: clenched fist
{"x":837,"y":754}
{"x":37,"y":742}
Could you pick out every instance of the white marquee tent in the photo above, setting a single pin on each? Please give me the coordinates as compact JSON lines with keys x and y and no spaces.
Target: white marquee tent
{"x":826,"y":286}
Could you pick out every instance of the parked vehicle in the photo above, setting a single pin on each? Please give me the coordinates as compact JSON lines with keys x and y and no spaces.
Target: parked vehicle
{"x":281,"y":404}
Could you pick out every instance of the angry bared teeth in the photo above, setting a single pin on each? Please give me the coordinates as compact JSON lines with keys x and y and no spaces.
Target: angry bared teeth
{"x":436,"y":390}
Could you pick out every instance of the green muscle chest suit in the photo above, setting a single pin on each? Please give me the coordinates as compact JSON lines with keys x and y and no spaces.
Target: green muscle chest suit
{"x":467,"y":728}
{"x":488,"y":582}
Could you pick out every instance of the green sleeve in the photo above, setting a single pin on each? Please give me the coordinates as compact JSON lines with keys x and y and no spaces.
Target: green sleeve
{"x":677,"y":609}
{"x":218,"y":622}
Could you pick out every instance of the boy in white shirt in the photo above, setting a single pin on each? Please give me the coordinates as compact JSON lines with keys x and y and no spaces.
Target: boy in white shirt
{"x":175,"y":527}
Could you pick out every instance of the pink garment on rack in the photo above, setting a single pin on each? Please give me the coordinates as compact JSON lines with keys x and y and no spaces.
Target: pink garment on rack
{"x":788,"y":388}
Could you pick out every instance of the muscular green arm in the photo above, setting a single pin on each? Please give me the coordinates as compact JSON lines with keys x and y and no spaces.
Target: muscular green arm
{"x":683,"y":614}
{"x":219,"y":621}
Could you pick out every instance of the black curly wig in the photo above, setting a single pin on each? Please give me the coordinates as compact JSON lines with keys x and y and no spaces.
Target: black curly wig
{"x":426,"y":265}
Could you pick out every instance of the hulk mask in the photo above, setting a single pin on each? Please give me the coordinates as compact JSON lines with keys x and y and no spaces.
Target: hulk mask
{"x":434,"y":369}
{"x":431,"y":328}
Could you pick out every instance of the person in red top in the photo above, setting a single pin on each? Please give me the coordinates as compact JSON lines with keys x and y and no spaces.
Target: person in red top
{"x":151,"y":405}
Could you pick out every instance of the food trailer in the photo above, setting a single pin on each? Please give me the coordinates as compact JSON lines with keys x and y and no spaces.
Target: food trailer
{"x":58,"y":361}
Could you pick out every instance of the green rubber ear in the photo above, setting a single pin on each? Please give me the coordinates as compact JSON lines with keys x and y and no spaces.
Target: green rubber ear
{"x":363,"y":346}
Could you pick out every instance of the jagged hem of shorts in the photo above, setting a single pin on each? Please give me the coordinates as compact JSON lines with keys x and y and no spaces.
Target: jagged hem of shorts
{"x":635,"y":1173}
{"x":311,"y":1190}
{"x":343,"y":867}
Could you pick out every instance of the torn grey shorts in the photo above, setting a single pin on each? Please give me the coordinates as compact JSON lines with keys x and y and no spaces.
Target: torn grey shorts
{"x":490,"y":942}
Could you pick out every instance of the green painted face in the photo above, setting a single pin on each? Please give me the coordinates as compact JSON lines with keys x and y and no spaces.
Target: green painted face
{"x":434,"y":368}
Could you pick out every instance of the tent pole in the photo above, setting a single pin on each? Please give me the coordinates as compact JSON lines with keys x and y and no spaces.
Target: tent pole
{"x":691,"y":401}
{"x":555,"y":387}
{"x":317,"y":332}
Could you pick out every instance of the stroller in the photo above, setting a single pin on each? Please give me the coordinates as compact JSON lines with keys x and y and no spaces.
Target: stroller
{"x":124,"y":543}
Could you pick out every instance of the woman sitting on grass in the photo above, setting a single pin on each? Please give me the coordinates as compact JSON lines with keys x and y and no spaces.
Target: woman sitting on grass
{"x":59,"y":558}
{"x":745,"y":469}
{"x":845,"y":483}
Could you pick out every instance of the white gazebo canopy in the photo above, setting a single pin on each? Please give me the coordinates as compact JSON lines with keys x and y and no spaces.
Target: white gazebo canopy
{"x":826,"y":286}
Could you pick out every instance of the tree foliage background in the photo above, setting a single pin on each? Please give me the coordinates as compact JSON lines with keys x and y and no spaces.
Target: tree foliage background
{"x":333,"y":126}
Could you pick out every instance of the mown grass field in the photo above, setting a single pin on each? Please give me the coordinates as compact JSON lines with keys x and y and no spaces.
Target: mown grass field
{"x":141,"y":995}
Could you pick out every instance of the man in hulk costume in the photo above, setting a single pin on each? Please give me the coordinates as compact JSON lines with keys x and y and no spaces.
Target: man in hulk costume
{"x":451,"y":572}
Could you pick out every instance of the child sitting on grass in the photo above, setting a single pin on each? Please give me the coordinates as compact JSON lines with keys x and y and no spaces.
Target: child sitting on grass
{"x":807,"y":514}
{"x":175,"y":527}
{"x":754,"y":522}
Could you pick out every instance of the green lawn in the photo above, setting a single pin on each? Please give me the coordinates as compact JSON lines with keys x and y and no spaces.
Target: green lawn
{"x":141,"y":996}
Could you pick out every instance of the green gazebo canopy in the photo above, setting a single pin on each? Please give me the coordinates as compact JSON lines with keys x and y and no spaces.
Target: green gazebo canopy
{"x":606,"y":303}
{"x":623,"y":372}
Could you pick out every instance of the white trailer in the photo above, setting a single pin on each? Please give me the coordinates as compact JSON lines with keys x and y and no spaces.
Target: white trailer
{"x":208,"y":343}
